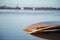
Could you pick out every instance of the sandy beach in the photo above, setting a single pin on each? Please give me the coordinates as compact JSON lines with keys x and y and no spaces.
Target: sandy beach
{"x":10,"y":10}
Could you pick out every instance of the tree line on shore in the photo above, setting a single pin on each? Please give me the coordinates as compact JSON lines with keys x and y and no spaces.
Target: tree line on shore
{"x":29,"y":8}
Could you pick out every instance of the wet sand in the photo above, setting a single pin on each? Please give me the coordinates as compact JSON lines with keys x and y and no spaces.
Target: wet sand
{"x":48,"y":36}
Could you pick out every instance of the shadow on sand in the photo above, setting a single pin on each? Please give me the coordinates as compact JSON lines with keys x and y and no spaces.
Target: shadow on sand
{"x":48,"y":36}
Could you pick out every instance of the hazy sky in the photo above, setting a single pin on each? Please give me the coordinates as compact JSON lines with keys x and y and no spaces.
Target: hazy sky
{"x":34,"y":3}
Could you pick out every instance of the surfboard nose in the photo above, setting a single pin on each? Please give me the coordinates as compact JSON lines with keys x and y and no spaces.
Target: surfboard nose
{"x":31,"y":27}
{"x":26,"y":29}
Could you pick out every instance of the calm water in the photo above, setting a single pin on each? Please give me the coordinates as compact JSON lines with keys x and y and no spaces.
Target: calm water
{"x":12,"y":23}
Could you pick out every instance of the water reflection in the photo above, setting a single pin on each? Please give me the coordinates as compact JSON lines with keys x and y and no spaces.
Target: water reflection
{"x":48,"y":36}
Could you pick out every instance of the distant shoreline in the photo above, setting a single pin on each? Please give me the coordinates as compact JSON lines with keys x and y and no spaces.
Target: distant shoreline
{"x":12,"y":10}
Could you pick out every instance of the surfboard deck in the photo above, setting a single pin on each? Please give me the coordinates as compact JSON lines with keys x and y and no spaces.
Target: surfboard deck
{"x":43,"y":27}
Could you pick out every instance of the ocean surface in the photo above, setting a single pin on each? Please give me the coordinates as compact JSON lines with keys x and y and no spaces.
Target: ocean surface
{"x":12,"y":23}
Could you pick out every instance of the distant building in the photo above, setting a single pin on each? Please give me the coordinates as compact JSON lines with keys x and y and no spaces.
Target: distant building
{"x":57,"y":8}
{"x":6,"y":7}
{"x":43,"y":8}
{"x":28,"y":8}
{"x":2,"y":7}
{"x":18,"y":7}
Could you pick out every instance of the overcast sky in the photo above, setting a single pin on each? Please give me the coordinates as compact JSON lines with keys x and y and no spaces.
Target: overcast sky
{"x":31,"y":3}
